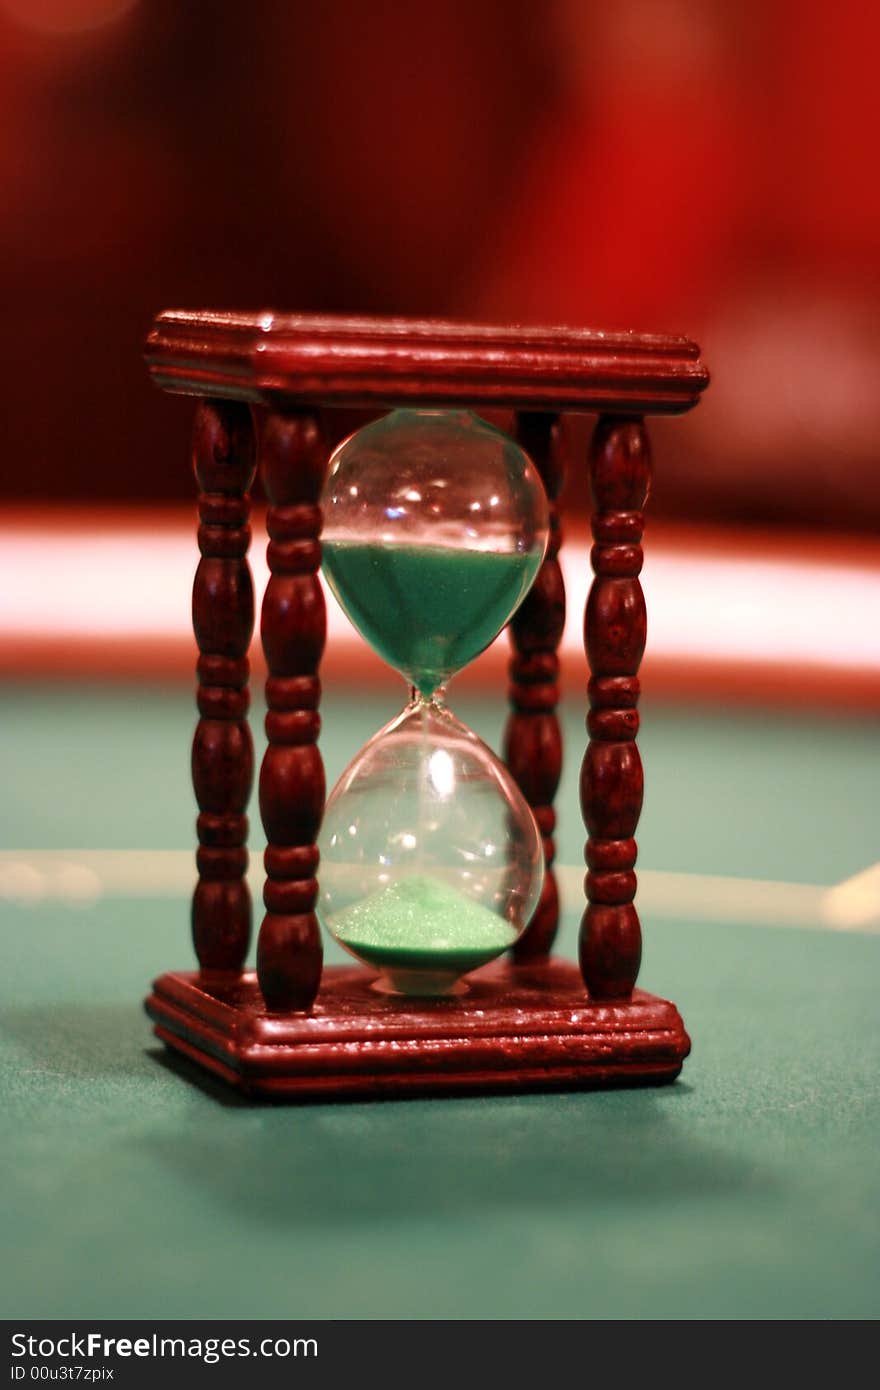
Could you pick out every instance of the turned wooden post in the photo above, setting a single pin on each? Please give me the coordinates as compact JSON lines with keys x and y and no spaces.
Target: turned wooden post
{"x":615,"y":628}
{"x":532,"y":738}
{"x":293,"y":626}
{"x":223,"y":621}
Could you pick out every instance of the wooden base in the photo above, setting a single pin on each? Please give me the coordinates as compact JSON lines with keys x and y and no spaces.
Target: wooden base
{"x":517,"y":1028}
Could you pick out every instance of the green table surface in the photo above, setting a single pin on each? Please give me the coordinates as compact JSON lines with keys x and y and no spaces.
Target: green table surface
{"x":748,"y":1189}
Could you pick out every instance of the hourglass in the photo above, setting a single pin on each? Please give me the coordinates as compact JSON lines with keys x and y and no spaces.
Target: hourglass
{"x":430,"y":856}
{"x":435,"y":526}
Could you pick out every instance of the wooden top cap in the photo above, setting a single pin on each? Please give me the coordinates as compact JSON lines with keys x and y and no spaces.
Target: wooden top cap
{"x":318,"y":359}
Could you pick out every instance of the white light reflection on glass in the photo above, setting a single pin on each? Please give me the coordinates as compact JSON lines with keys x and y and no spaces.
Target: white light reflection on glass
{"x":441,"y":773}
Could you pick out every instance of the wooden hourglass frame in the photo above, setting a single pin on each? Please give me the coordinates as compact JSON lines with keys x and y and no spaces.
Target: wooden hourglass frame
{"x":294,"y":1029}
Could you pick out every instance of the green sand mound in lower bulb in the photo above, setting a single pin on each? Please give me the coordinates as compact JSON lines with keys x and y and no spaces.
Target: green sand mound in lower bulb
{"x":422,"y":933}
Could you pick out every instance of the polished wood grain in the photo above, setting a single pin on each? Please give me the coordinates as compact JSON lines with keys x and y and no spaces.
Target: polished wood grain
{"x":335,"y":360}
{"x":612,"y":784}
{"x":518,"y":1028}
{"x":293,"y":627}
{"x":532,"y":736}
{"x":223,"y":621}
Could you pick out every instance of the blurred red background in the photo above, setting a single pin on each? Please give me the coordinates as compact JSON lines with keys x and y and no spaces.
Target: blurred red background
{"x":680,"y":165}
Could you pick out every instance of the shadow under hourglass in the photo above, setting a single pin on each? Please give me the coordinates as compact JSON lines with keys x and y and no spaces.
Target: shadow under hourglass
{"x":328,"y":1164}
{"x":341,"y":1164}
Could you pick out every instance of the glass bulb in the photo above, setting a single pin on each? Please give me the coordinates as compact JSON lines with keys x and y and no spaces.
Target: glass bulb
{"x":435,"y":525}
{"x":431,"y":861}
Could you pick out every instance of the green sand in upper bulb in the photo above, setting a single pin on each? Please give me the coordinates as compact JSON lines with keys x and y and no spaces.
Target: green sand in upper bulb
{"x":427,"y":610}
{"x":420,"y":923}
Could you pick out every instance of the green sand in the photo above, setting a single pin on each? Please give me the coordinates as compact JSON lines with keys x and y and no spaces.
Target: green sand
{"x":421,"y":924}
{"x":427,"y":610}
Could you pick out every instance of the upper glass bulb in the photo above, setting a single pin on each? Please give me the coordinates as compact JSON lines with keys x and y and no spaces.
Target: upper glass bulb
{"x":435,"y":525}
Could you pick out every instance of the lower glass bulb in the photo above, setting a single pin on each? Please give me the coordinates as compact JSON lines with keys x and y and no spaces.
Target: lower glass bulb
{"x":431,"y":860}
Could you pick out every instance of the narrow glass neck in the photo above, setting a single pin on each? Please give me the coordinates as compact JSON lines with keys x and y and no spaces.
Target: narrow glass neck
{"x":437,"y":697}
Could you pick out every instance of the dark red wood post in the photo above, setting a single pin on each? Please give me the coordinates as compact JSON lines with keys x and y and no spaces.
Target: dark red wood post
{"x":532,"y":738}
{"x":293,"y":625}
{"x":223,"y":620}
{"x":615,"y":627}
